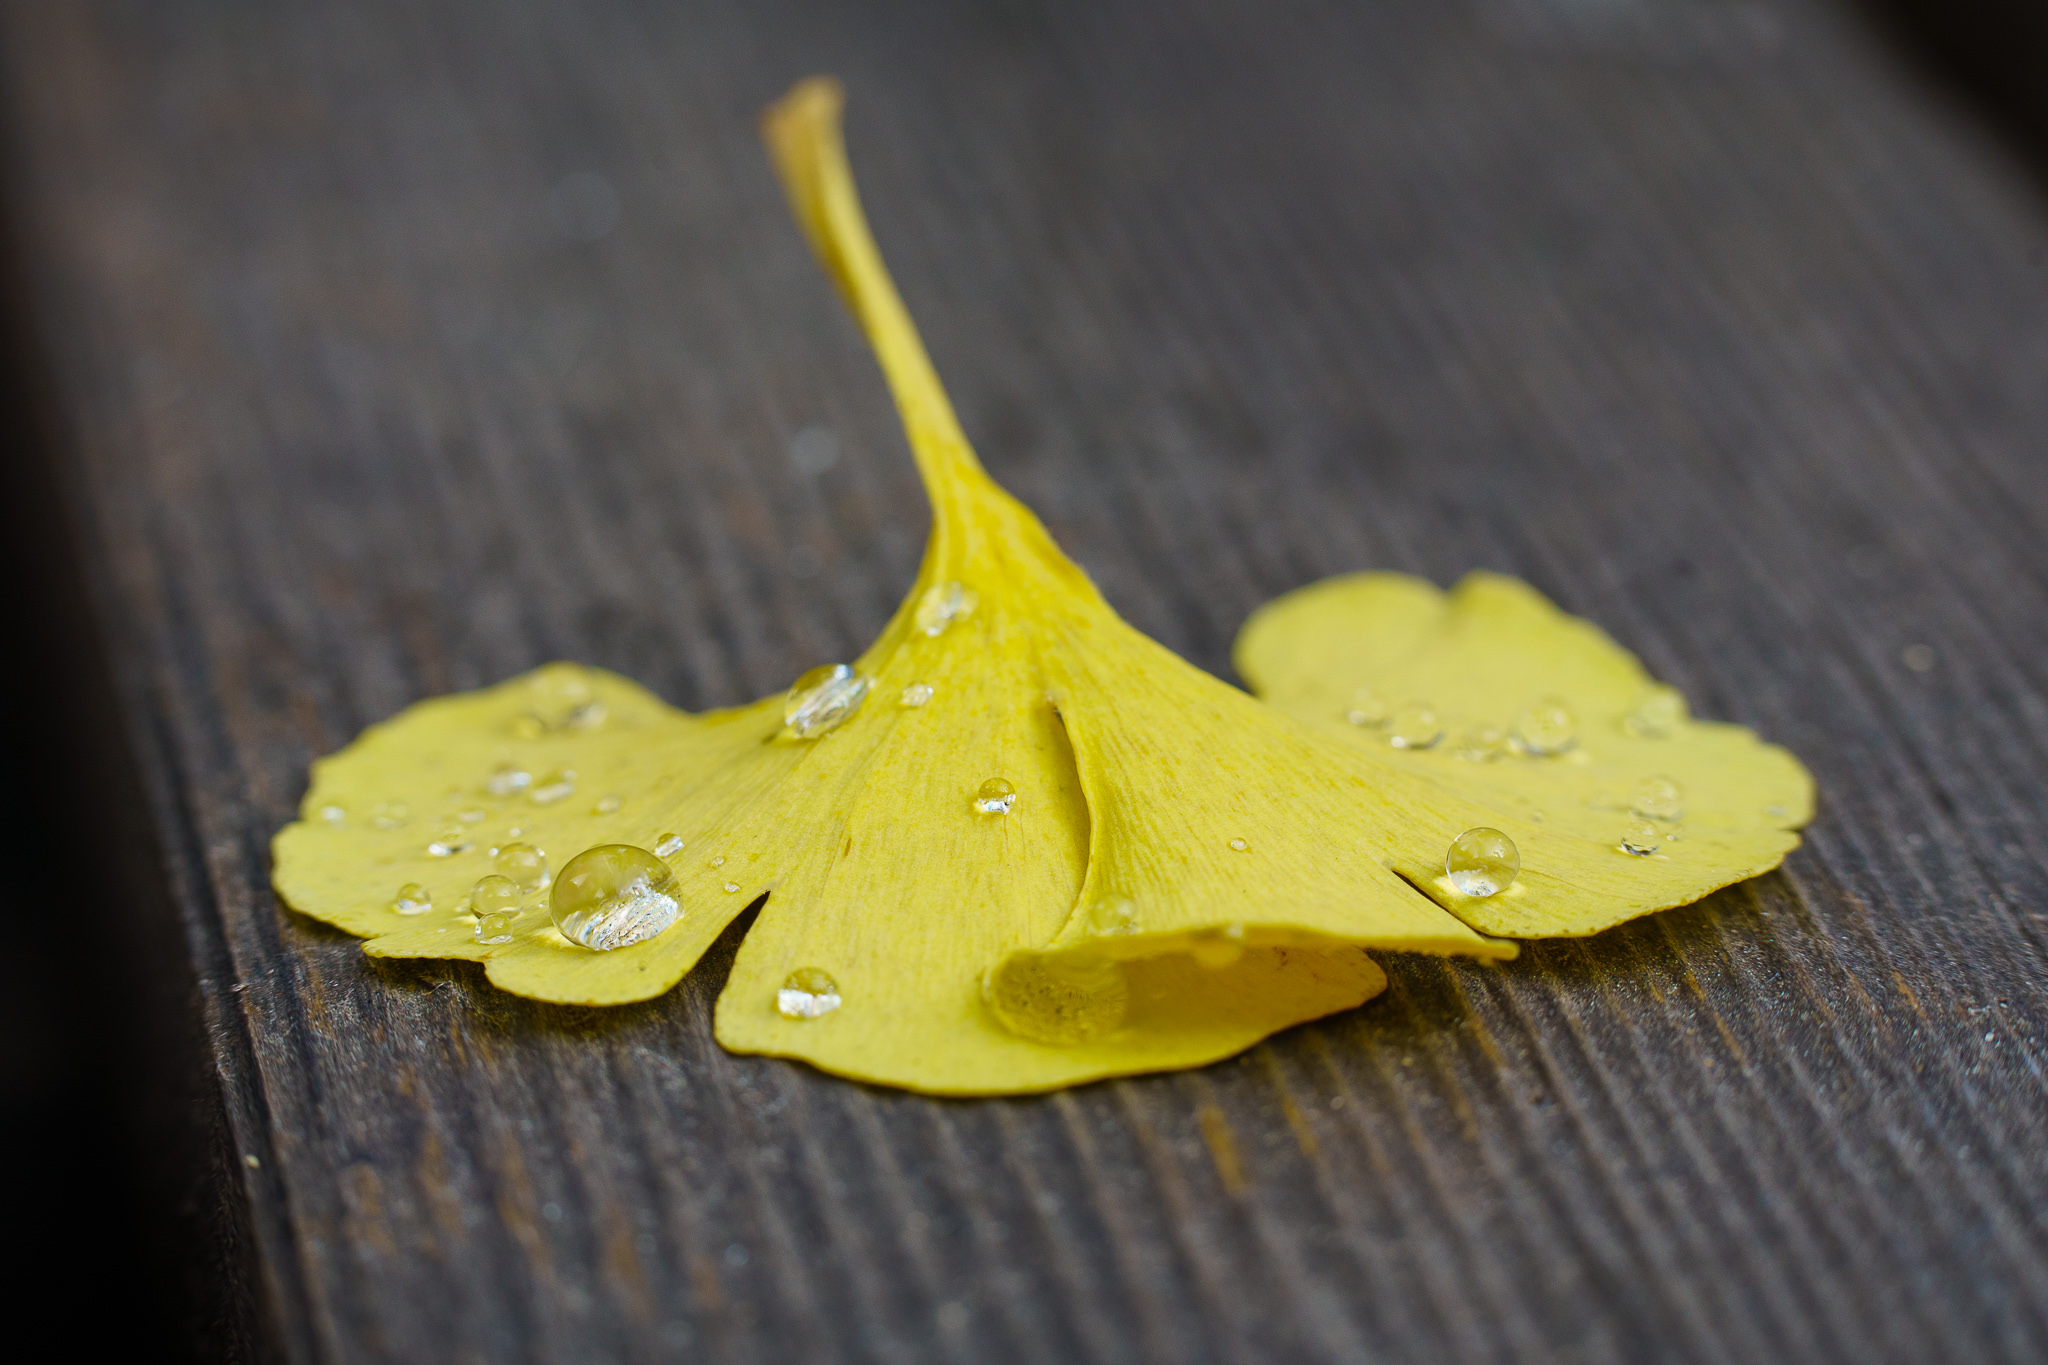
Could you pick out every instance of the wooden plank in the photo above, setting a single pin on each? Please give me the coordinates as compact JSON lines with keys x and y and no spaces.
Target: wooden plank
{"x":1702,"y":317}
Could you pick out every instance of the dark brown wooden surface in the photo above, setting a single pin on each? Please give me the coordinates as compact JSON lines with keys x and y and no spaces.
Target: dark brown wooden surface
{"x":1705,"y":317}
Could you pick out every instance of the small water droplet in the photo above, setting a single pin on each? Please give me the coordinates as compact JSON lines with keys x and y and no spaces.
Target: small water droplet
{"x":1115,"y":916}
{"x":390,"y":815}
{"x":1368,"y":708}
{"x":589,"y":716}
{"x":1217,"y":948}
{"x":1059,"y":999}
{"x":497,"y":926}
{"x":942,"y":605}
{"x":412,"y":899}
{"x":1658,"y":798}
{"x":731,"y":887}
{"x":526,"y":865}
{"x":808,"y":993}
{"x":1659,"y":713}
{"x":995,"y":797}
{"x":493,"y":894}
{"x":1239,"y":845}
{"x":823,"y":699}
{"x":668,"y":845}
{"x":529,"y":725}
{"x":333,"y":815}
{"x":449,"y":842}
{"x":508,"y":780}
{"x":607,"y":804}
{"x":613,"y":895}
{"x":814,"y":450}
{"x":1482,"y":743}
{"x":1776,"y":812}
{"x":1482,"y":862}
{"x":556,"y":786}
{"x":1414,"y":726}
{"x":1547,"y":727}
{"x":917,"y":694}
{"x":718,"y":861}
{"x":1639,"y":839}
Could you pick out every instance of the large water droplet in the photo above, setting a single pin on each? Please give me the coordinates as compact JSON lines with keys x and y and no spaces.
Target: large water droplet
{"x":823,"y":699}
{"x":412,"y":899}
{"x":668,"y":845}
{"x":554,"y":787}
{"x":1414,"y":725}
{"x":809,"y":993}
{"x":1547,"y":727}
{"x":1368,"y":708}
{"x":613,"y":895}
{"x":995,"y":797}
{"x":1217,"y":948}
{"x":1482,"y":862}
{"x":1659,"y":713}
{"x":1061,"y":1000}
{"x":1658,"y":798}
{"x":493,"y":895}
{"x":1640,"y":839}
{"x":917,"y":694}
{"x":525,"y":865}
{"x":942,"y":605}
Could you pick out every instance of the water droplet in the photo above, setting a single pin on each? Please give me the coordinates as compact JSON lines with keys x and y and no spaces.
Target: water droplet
{"x":496,"y":927}
{"x":718,"y":861}
{"x":412,"y":899}
{"x":731,"y":887}
{"x":1776,"y":812}
{"x":1658,"y":798}
{"x":1482,"y":743}
{"x":589,"y":716}
{"x":917,"y":694}
{"x":1368,"y":708}
{"x":1117,"y":915}
{"x":1060,"y":1000}
{"x":1659,"y":713}
{"x":613,"y":895}
{"x":508,"y":780}
{"x":1217,"y":948}
{"x":493,"y":894}
{"x":1482,"y":862}
{"x":942,"y":605}
{"x":1547,"y":727}
{"x":554,"y":787}
{"x":606,"y":805}
{"x":390,"y":815}
{"x":1639,"y":839}
{"x":995,"y":797}
{"x":668,"y":845}
{"x":449,"y":842}
{"x":823,"y":699}
{"x":528,"y":725}
{"x":1414,"y":726}
{"x":333,"y":815}
{"x":1238,"y":846}
{"x":526,"y":865}
{"x":808,"y":993}
{"x":814,"y":450}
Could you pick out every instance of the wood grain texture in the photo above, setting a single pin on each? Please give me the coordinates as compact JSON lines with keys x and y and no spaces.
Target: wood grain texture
{"x":1701,"y":316}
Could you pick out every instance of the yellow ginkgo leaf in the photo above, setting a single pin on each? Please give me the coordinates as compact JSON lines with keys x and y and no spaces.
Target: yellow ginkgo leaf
{"x":1014,"y":846}
{"x":1618,"y":801}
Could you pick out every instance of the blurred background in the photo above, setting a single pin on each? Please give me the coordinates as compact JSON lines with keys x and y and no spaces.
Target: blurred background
{"x":110,"y":1185}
